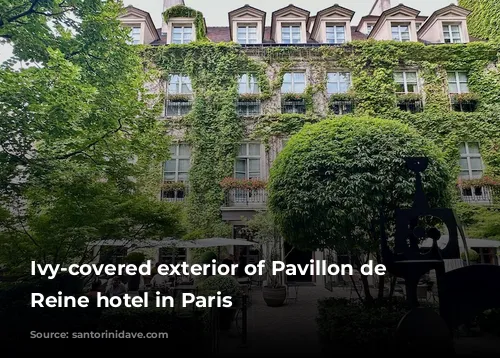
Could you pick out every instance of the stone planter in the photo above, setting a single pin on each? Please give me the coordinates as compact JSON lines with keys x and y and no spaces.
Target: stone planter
{"x":274,"y":297}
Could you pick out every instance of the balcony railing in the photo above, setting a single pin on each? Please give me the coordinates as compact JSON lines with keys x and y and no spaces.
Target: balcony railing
{"x":243,"y":198}
{"x":414,"y":106}
{"x":342,"y":107}
{"x":177,"y":109}
{"x":294,"y":107}
{"x":175,"y":196}
{"x":248,"y":109}
{"x":477,"y":195}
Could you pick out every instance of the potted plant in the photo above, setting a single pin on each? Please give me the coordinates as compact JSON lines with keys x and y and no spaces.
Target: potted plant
{"x":227,"y":286}
{"x":135,"y":258}
{"x":262,"y":229}
{"x":473,"y":257}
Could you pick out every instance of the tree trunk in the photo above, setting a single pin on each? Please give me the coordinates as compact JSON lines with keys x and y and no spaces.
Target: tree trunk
{"x":381,"y":280}
{"x":364,"y":281}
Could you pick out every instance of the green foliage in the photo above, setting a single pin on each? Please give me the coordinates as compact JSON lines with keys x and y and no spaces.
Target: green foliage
{"x":184,"y":11}
{"x":214,"y":129}
{"x":328,"y":186}
{"x":481,"y":222}
{"x":135,"y":258}
{"x":473,"y":255}
{"x":76,"y":127}
{"x":227,"y":285}
{"x":207,"y":257}
{"x":349,"y":327}
{"x":484,"y":21}
{"x":372,"y":65}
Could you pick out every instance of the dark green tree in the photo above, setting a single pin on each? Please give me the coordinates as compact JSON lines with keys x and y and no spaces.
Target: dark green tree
{"x":80,"y":144}
{"x":333,"y":180}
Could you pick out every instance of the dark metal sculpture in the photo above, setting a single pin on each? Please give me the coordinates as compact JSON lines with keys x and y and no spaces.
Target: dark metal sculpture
{"x":463,"y":293}
{"x":407,"y":260}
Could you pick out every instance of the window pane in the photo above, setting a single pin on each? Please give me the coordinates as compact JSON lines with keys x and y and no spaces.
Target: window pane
{"x":453,"y":87}
{"x":173,"y":150}
{"x":183,"y":176}
{"x":464,"y":88}
{"x":398,"y":77}
{"x":473,"y":148}
{"x":299,"y":77}
{"x":400,"y":87}
{"x":254,"y":165}
{"x":464,"y":164}
{"x":476,"y":164}
{"x":299,"y":87}
{"x":241,"y":165}
{"x":333,"y":87}
{"x":254,"y":149}
{"x":452,"y":77}
{"x":170,"y":166}
{"x":184,"y":165}
{"x":462,"y":77}
{"x":243,"y":150}
{"x":411,"y":77}
{"x":169,"y":176}
{"x":462,"y":148}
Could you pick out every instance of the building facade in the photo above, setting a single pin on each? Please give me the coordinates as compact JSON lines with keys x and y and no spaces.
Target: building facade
{"x":395,"y":63}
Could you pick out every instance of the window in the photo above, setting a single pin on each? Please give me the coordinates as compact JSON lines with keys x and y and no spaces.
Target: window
{"x":294,"y":82}
{"x":406,"y":82}
{"x":401,"y":32}
{"x":418,"y":25}
{"x":452,"y":34}
{"x":338,"y":82}
{"x":179,"y":84}
{"x":369,"y":28}
{"x":177,"y":168}
{"x":247,"y":34}
{"x":248,"y":84}
{"x":135,"y":34}
{"x":114,"y":255}
{"x":471,"y":164}
{"x":182,"y":34}
{"x":457,"y":82}
{"x":335,"y":34}
{"x":248,"y":161}
{"x":290,"y":34}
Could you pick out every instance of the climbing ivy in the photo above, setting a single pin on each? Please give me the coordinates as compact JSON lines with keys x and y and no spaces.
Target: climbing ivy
{"x":214,"y":129}
{"x":184,"y":11}
{"x":484,"y":20}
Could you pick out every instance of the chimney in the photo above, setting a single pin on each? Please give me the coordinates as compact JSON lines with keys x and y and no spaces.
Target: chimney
{"x":167,"y":4}
{"x":380,"y":6}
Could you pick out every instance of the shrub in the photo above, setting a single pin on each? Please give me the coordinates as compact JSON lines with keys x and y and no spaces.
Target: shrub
{"x":356,"y":328}
{"x":227,"y":285}
{"x":473,"y":255}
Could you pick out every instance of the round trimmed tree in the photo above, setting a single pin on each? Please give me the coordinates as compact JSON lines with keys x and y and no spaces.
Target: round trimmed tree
{"x":331,"y":182}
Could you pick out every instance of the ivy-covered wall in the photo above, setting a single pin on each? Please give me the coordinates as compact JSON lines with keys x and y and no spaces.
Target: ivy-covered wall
{"x":484,"y":21}
{"x":214,"y":129}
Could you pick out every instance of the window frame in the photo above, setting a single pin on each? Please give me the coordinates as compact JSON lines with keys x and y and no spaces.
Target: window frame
{"x":468,"y":156}
{"x":335,"y":26}
{"x":405,"y":81}
{"x":399,"y":25}
{"x":247,"y":26}
{"x":136,"y":41}
{"x":179,"y":84}
{"x":339,"y":73}
{"x":183,"y":27}
{"x":293,"y":82}
{"x":448,"y":26}
{"x":251,"y":80}
{"x":177,"y":158}
{"x":290,"y":27}
{"x":457,"y":81}
{"x":247,"y":158}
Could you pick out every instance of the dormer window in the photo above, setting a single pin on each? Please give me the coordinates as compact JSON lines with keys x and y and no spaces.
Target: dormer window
{"x":335,"y":34}
{"x":400,"y":32}
{"x":452,"y":33}
{"x":291,"y":34}
{"x":135,"y":34}
{"x":369,"y":28}
{"x":182,"y":34}
{"x":247,"y":34}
